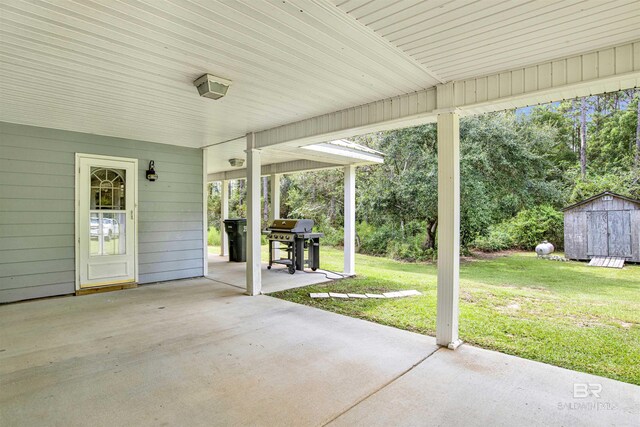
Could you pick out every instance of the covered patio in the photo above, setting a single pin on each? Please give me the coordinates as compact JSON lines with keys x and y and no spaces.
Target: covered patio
{"x":199,"y":352}
{"x":222,"y":166}
{"x":275,"y":280}
{"x":108,"y":87}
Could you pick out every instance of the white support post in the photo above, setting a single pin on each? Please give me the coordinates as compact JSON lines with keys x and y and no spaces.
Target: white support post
{"x":254,"y":275}
{"x":274,"y":207}
{"x":448,"y":229}
{"x":224,"y":214}
{"x":350,"y":220}
{"x":205,"y":215}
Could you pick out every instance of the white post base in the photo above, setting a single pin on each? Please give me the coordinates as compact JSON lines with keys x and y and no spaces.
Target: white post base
{"x":455,"y":344}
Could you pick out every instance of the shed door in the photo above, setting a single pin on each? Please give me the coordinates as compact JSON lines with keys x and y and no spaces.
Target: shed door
{"x":597,"y":238}
{"x":619,"y":223}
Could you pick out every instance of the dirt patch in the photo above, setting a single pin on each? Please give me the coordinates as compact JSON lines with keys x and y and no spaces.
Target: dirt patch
{"x":626,"y":325}
{"x":466,"y":296}
{"x":589,"y":324}
{"x":481,"y":256}
{"x":525,"y":288}
{"x":511,"y":308}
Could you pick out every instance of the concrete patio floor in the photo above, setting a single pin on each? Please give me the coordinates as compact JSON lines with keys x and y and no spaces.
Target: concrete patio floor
{"x":274,"y":280}
{"x":198,"y":352}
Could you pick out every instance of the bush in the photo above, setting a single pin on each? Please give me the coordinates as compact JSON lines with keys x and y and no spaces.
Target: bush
{"x":214,"y":237}
{"x":532,"y":226}
{"x":524,"y":231}
{"x":411,"y":249}
{"x":373,"y":240}
{"x":332,"y":236}
{"x":384,"y":240}
{"x":498,"y":239}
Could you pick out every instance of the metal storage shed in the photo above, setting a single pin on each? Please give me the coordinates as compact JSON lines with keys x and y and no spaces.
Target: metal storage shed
{"x":607,"y":224}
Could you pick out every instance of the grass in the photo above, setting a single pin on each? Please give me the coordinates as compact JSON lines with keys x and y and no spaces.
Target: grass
{"x":564,"y":314}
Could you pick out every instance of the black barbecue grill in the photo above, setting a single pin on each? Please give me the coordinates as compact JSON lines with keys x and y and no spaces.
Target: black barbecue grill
{"x":295,"y":237}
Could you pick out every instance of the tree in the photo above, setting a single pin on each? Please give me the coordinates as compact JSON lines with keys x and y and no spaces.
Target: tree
{"x":583,"y":138}
{"x":265,"y":200}
{"x":501,"y":174}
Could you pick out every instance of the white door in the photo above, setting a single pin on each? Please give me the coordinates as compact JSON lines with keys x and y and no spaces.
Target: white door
{"x":106,"y":200}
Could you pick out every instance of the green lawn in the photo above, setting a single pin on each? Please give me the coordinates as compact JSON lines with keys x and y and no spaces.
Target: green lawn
{"x":565,"y":314}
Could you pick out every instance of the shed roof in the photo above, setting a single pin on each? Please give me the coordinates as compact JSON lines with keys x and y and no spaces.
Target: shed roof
{"x":597,"y":196}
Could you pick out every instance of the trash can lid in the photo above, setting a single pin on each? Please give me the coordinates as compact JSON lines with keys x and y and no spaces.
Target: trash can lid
{"x":235,"y":220}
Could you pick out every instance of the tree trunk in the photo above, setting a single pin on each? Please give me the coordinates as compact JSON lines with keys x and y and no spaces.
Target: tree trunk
{"x":575,"y":128}
{"x":265,"y":197}
{"x":430,"y":238}
{"x":583,"y":138}
{"x":332,"y":209}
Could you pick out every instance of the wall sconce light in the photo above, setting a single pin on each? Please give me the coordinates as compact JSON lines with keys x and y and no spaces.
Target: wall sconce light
{"x":236,"y":162}
{"x":151,"y":173}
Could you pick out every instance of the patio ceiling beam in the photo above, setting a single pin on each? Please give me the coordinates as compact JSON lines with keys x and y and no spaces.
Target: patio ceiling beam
{"x":274,"y":168}
{"x":604,"y":70}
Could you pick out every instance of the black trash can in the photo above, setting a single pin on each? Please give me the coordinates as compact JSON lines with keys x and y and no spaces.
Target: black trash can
{"x":236,"y":229}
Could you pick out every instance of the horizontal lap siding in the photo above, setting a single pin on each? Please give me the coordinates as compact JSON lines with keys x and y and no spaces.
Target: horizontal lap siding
{"x":37,"y":179}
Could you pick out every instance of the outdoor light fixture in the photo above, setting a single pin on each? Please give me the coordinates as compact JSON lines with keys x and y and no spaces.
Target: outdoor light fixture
{"x":151,"y":173}
{"x":211,"y":86}
{"x":236,"y":162}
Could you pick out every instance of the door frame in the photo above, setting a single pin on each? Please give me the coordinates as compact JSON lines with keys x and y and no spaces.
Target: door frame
{"x":77,"y":209}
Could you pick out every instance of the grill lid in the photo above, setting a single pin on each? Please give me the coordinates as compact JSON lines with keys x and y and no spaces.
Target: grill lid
{"x":291,"y":225}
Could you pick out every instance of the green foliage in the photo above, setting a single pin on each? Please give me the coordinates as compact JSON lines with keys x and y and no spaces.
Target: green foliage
{"x":504,"y":168}
{"x":213,"y":206}
{"x":374,"y":240}
{"x":516,"y":170}
{"x":612,"y":133}
{"x":332,"y":236}
{"x":497,"y":239}
{"x":214,"y":237}
{"x":625,"y":183}
{"x":524,"y":231}
{"x":532,"y":226}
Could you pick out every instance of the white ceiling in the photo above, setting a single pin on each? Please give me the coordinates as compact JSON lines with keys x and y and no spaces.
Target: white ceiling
{"x":458,"y":39}
{"x":125,"y":68}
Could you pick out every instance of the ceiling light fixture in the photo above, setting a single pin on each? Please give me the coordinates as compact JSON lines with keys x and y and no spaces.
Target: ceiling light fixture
{"x":211,"y":86}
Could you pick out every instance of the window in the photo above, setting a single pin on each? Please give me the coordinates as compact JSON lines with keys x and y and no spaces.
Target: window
{"x":107,"y":221}
{"x":108,"y":189}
